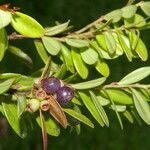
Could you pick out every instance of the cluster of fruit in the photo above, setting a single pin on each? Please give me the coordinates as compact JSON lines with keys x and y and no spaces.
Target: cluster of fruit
{"x":55,"y":87}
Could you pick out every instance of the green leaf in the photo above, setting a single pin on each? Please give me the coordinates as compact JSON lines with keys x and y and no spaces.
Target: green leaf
{"x":10,"y":111}
{"x":50,"y":31}
{"x":135,"y":76}
{"x":3,"y":43}
{"x":21,"y":104}
{"x":5,"y":86}
{"x":99,"y":108}
{"x":89,"y":56}
{"x":41,"y":50}
{"x":9,"y":75}
{"x":141,"y":106}
{"x":52,"y":46}
{"x":61,"y":72}
{"x":5,"y":18}
{"x":91,"y":107}
{"x":78,"y":43}
{"x":101,"y":41}
{"x":135,"y":21}
{"x":66,"y":54}
{"x":22,"y":55}
{"x":115,"y":15}
{"x":142,"y":50}
{"x":89,"y":84}
{"x":26,"y":25}
{"x":124,"y":42}
{"x":130,"y":2}
{"x":129,"y":11}
{"x":119,"y":108}
{"x":79,"y":64}
{"x":102,"y":67}
{"x":104,"y":101}
{"x":145,"y":6}
{"x":78,"y":116}
{"x":128,"y":116}
{"x":110,"y":42}
{"x":76,"y":101}
{"x":119,"y":96}
{"x":51,"y":126}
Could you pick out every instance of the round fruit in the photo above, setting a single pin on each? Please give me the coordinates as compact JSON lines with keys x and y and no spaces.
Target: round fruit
{"x":51,"y":85}
{"x":64,"y":95}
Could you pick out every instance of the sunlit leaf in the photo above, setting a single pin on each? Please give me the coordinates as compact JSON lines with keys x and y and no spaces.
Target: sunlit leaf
{"x":78,"y":43}
{"x":145,"y":6}
{"x":101,"y":41}
{"x":79,"y":64}
{"x":41,"y":50}
{"x":135,"y":76}
{"x":128,"y":116}
{"x":142,"y":106}
{"x":52,"y":46}
{"x":26,"y":25}
{"x":99,"y":108}
{"x":5,"y":18}
{"x":115,"y":15}
{"x":3,"y":43}
{"x":50,"y":31}
{"x":89,"y":84}
{"x":89,"y":56}
{"x":129,"y":11}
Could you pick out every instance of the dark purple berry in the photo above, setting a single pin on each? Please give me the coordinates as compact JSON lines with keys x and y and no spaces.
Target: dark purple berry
{"x":64,"y":95}
{"x":51,"y":85}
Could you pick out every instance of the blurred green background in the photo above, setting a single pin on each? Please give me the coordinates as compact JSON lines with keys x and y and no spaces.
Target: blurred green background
{"x":80,"y":12}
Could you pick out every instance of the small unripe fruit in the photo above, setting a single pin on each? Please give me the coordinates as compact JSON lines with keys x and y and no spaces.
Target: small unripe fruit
{"x":64,"y":95}
{"x":50,"y":85}
{"x":44,"y":105}
{"x":33,"y":105}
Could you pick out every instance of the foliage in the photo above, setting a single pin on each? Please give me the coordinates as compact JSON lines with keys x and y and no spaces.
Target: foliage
{"x":73,"y":56}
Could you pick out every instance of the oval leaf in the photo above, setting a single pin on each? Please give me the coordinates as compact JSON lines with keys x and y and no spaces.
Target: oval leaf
{"x":135,"y":76}
{"x":52,"y":46}
{"x":89,"y":84}
{"x":5,"y":18}
{"x":89,"y":56}
{"x":145,"y":6}
{"x":26,"y":25}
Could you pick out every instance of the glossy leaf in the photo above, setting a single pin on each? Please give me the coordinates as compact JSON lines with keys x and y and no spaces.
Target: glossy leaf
{"x":142,"y":106}
{"x":41,"y":50}
{"x":79,"y":116}
{"x":79,"y":64}
{"x":22,"y":55}
{"x":104,"y":101}
{"x":5,"y":18}
{"x":115,"y":15}
{"x":99,"y":108}
{"x":26,"y":25}
{"x":91,"y":107}
{"x":78,"y":43}
{"x":102,"y":67}
{"x":66,"y":54}
{"x":89,"y":84}
{"x":101,"y":41}
{"x":119,"y":108}
{"x":5,"y":86}
{"x":3,"y":43}
{"x":52,"y":46}
{"x":50,"y":31}
{"x":145,"y":6}
{"x":89,"y":56}
{"x":129,"y":11}
{"x":135,"y":76}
